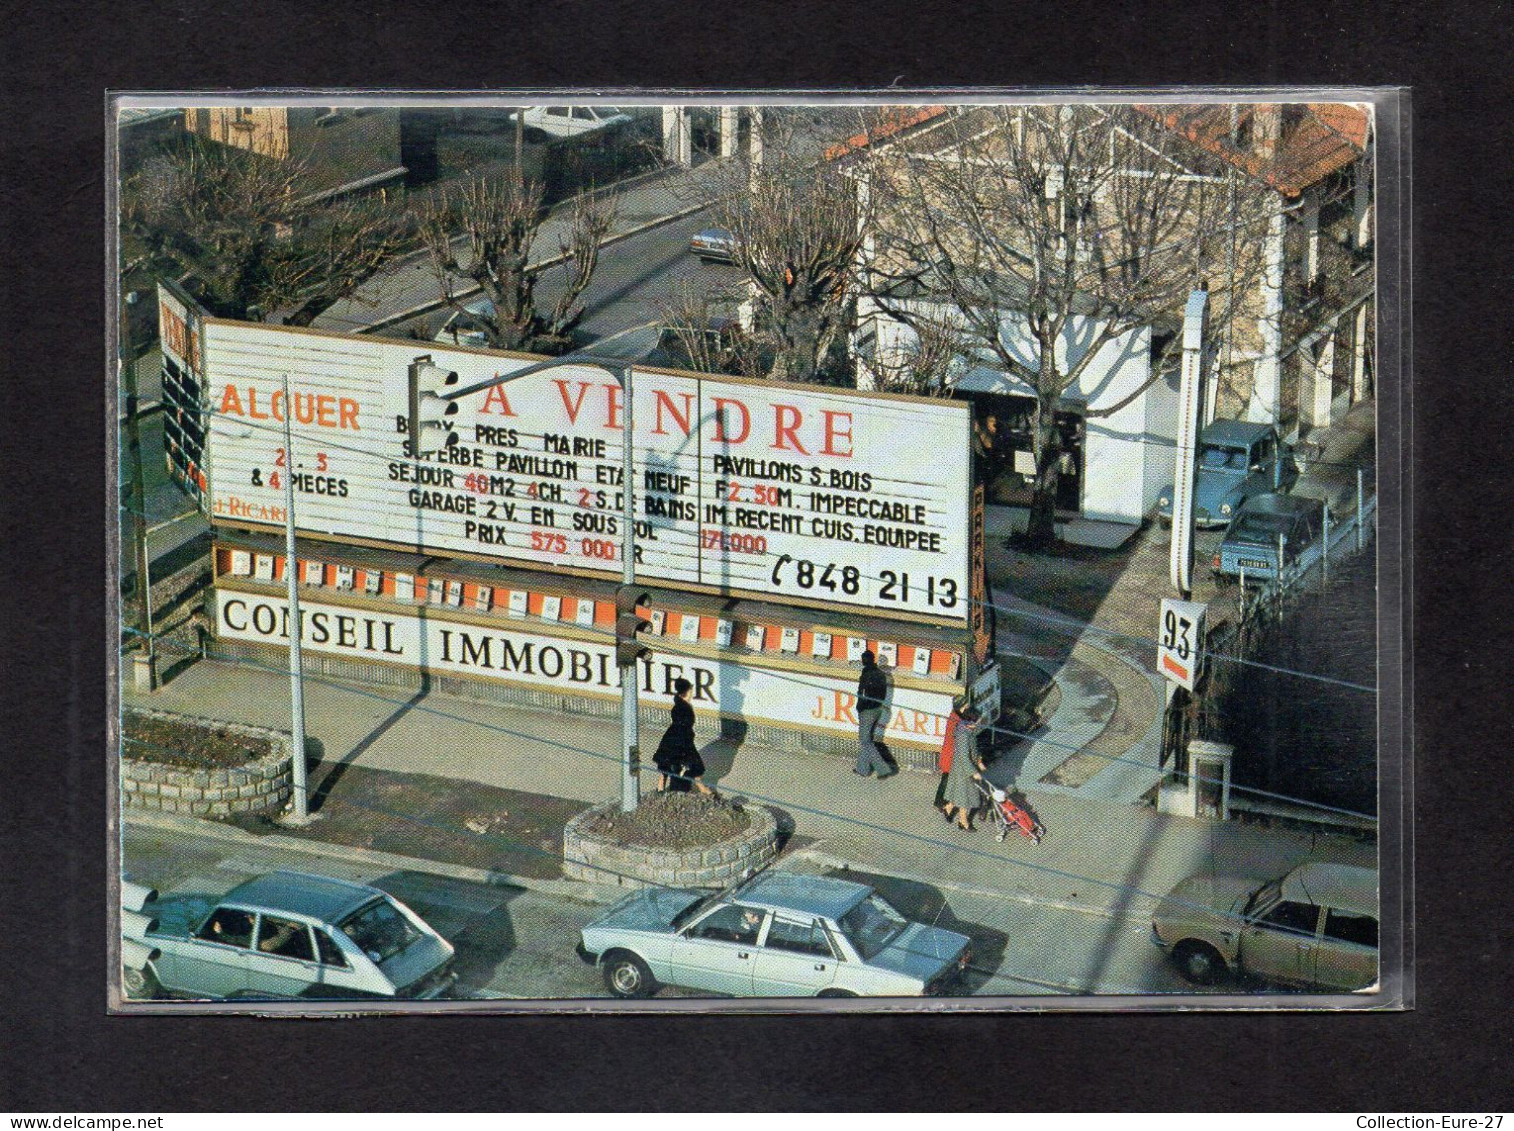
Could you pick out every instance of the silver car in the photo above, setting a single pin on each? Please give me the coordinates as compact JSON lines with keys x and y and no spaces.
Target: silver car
{"x":283,"y":935}
{"x":777,"y":935}
{"x":1314,"y":927}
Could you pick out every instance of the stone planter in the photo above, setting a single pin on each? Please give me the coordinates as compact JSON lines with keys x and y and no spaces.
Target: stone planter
{"x":259,"y":786}
{"x":597,"y":860}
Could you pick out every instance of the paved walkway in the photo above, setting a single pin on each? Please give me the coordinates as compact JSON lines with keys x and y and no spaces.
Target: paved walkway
{"x":409,"y":289}
{"x":1108,"y":860}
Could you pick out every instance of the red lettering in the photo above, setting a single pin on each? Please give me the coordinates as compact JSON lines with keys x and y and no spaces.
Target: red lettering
{"x":612,"y":414}
{"x":304,"y":408}
{"x":347,"y":410}
{"x":252,"y":404}
{"x":746,"y":421}
{"x":497,"y":395}
{"x":573,"y":406}
{"x":682,"y":418}
{"x":782,"y":412}
{"x":276,"y":405}
{"x":833,"y":433}
{"x":325,"y":412}
{"x":231,"y":404}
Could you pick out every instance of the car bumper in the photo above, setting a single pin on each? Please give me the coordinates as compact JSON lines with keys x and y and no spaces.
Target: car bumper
{"x":584,"y":954}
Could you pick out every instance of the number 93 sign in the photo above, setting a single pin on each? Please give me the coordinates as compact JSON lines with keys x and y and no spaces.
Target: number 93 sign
{"x":1180,"y":640}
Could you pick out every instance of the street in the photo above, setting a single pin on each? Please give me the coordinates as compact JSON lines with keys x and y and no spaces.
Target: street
{"x":516,"y":943}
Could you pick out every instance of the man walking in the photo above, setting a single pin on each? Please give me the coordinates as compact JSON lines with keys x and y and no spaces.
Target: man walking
{"x":872,"y":690}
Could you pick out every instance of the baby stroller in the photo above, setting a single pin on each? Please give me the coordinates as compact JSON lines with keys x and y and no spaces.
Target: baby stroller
{"x":1006,"y":815}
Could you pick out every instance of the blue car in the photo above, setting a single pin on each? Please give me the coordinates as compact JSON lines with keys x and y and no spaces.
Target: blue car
{"x":1236,"y":461}
{"x":1251,"y":544}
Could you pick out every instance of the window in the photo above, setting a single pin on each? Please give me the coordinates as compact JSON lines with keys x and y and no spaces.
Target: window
{"x":583,"y":113}
{"x":801,"y":937}
{"x":284,"y":937}
{"x":380,"y":930}
{"x":731,"y":923}
{"x":331,"y":954}
{"x":1346,"y":926}
{"x":557,"y":111}
{"x":1295,"y":918}
{"x":228,"y":926}
{"x":871,"y":926}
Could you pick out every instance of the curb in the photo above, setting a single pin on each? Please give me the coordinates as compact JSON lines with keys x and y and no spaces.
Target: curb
{"x":825,"y":859}
{"x":215,"y":830}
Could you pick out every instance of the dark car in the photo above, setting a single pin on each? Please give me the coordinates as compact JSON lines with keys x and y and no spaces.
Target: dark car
{"x":1251,"y":544}
{"x":1237,"y":459}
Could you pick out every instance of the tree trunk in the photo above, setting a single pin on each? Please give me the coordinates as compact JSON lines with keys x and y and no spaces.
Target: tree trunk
{"x":1042,"y":529}
{"x":799,"y":354}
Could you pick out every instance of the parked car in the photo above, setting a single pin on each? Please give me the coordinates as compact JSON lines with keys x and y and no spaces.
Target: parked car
{"x":1251,"y":543}
{"x":282,"y":935}
{"x":776,"y":935}
{"x":1315,"y":927}
{"x":684,"y":347}
{"x":1236,"y":460}
{"x":543,"y":122}
{"x":714,"y":244}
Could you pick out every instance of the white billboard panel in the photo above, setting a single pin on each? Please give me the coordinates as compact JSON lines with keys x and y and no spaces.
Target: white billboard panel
{"x":508,"y":654}
{"x":772,"y":490}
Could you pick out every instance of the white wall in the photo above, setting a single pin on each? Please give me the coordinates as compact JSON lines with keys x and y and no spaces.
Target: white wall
{"x":1128,"y":455}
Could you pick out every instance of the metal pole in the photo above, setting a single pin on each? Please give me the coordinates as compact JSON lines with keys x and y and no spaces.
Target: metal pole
{"x":146,"y":677}
{"x":1324,"y":568}
{"x":630,"y":779}
{"x":296,"y":657}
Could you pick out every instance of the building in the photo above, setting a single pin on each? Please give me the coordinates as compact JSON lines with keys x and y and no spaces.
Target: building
{"x":1292,"y":348}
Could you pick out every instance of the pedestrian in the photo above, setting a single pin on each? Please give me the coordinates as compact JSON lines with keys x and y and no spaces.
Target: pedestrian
{"x":959,"y":795}
{"x":872,"y":690}
{"x":679,"y":765}
{"x":960,"y":725}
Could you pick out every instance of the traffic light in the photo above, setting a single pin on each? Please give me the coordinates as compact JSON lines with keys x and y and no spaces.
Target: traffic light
{"x":630,"y":604}
{"x":432,"y":419}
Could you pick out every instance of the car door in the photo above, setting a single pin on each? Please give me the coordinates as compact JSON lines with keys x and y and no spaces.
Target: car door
{"x":1347,"y":955}
{"x":214,"y":962}
{"x":1280,"y":944}
{"x":717,"y":952}
{"x":795,"y":959}
{"x":283,"y":961}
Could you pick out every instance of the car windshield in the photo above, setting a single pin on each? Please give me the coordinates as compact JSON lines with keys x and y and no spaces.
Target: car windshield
{"x":1214,"y":456}
{"x":872,"y":925}
{"x":691,"y":910}
{"x":1264,"y":897}
{"x":379,"y":930}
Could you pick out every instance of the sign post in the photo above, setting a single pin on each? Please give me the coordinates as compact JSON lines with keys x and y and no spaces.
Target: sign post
{"x":1190,"y":397}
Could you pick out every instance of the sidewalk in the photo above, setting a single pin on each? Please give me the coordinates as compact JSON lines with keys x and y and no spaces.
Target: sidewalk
{"x":409,"y":289}
{"x":1108,"y":860}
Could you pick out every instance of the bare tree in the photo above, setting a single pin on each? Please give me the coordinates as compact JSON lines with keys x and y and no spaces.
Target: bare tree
{"x":707,"y":338}
{"x":500,"y":221}
{"x":1038,"y":224}
{"x":797,"y":225}
{"x":925,"y":367}
{"x":242,"y":233}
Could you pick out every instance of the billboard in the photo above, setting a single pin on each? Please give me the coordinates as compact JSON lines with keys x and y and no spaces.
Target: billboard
{"x":183,"y":382}
{"x":791,"y":493}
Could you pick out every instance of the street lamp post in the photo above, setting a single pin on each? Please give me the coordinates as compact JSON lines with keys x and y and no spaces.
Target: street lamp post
{"x":636,"y":342}
{"x":300,"y":785}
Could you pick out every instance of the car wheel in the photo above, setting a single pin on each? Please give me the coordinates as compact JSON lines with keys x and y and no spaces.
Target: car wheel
{"x":835,"y":993}
{"x":627,"y":976}
{"x":140,"y":983}
{"x":1199,"y":963}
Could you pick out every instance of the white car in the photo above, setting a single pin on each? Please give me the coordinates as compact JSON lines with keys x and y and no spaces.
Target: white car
{"x":543,"y":122}
{"x":777,"y":935}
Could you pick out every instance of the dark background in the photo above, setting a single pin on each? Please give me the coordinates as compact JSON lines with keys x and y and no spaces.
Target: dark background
{"x":63,"y":1053}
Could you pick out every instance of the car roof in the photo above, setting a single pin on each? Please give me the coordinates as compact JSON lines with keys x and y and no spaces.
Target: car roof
{"x":1270,"y":502}
{"x":809,"y":895}
{"x":1242,"y":433}
{"x":318,"y":897}
{"x":1344,"y":886}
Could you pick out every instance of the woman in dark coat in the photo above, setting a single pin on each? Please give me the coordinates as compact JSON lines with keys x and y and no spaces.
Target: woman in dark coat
{"x":677,"y":758}
{"x":960,"y":795}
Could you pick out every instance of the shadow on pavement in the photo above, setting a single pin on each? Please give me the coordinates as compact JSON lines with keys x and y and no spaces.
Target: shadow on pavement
{"x":475,"y":920}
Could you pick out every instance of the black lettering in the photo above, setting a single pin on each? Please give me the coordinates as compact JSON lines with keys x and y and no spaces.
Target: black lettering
{"x":319,"y":633}
{"x":511,"y":660}
{"x":704,"y":682}
{"x":552,"y":656}
{"x":226,"y":615}
{"x":389,"y":648}
{"x":475,"y":654}
{"x":346,"y":631}
{"x":263,"y":620}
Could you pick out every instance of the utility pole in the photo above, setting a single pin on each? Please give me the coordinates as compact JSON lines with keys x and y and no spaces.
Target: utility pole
{"x":145,"y":664}
{"x":301,"y":787}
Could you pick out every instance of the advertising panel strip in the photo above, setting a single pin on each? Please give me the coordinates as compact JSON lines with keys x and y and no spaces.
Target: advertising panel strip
{"x":744,"y":487}
{"x":507,"y":654}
